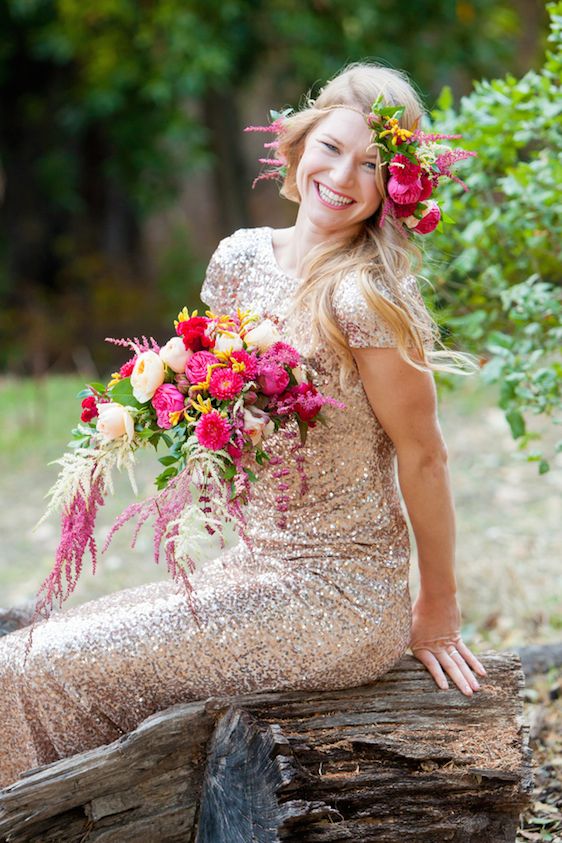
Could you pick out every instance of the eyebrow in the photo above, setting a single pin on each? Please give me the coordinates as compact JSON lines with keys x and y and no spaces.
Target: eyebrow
{"x":339,"y":142}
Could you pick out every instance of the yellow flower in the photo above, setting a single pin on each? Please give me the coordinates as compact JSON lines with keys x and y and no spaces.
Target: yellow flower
{"x":395,"y":130}
{"x":183,"y":316}
{"x":202,"y":405}
{"x":115,"y":378}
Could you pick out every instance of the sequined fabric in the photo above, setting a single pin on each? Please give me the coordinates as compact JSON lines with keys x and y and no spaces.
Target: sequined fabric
{"x":317,"y":598}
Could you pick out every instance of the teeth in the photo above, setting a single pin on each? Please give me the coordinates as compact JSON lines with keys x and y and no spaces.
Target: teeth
{"x":331,"y":197}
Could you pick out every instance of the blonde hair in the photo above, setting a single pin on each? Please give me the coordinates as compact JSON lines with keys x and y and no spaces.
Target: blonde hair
{"x":376,"y":253}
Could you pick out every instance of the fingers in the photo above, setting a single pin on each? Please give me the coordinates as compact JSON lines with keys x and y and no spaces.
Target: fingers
{"x":455,"y":663}
{"x":470,"y":658}
{"x":429,"y":661}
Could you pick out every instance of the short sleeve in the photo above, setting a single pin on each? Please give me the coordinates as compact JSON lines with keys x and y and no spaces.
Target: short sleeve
{"x":220,"y":287}
{"x":364,"y":328}
{"x":360,"y":325}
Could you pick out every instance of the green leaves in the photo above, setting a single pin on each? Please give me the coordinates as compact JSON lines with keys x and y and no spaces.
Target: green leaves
{"x":122,"y":393}
{"x":500,"y":288}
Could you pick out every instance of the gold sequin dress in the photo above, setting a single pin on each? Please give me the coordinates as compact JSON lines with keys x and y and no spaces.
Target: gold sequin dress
{"x":320,"y":601}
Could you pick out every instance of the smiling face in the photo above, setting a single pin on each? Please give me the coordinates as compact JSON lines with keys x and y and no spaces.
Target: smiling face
{"x":337,"y":174}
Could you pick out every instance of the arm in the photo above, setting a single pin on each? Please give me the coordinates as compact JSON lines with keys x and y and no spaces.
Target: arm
{"x":404,"y":401}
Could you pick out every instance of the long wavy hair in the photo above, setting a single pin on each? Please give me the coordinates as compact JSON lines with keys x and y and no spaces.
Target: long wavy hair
{"x":377,"y":253}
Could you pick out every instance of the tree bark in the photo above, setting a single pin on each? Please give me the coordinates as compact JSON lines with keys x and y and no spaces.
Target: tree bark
{"x":395,"y":761}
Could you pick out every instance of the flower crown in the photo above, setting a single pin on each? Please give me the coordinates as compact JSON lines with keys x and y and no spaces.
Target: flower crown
{"x":416,"y":162}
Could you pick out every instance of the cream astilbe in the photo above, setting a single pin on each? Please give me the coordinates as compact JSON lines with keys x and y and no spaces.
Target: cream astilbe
{"x":189,"y":513}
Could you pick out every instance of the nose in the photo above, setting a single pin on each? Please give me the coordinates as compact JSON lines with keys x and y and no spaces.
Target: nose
{"x":342,"y":171}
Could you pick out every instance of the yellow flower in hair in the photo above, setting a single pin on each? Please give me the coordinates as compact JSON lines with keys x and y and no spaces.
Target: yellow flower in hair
{"x":115,"y":378}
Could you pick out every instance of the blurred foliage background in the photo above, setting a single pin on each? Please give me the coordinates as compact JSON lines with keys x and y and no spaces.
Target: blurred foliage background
{"x":124,"y":162}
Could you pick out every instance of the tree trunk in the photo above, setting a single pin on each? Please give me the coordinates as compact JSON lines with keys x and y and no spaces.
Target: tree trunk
{"x":395,"y":761}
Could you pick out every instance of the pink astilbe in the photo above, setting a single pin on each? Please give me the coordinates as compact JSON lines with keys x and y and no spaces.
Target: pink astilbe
{"x":136,"y":344}
{"x":445,"y":161}
{"x":77,"y":535}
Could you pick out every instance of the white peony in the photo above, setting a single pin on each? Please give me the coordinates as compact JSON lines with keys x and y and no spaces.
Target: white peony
{"x":114,"y":421}
{"x":228,"y":344}
{"x":147,"y":375}
{"x":175,"y":354}
{"x":263,"y":335}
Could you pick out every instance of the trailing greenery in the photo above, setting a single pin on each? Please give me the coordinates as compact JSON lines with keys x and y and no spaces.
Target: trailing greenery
{"x":497,"y":273}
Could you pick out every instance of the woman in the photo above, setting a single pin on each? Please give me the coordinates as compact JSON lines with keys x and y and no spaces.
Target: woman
{"x":318,"y":596}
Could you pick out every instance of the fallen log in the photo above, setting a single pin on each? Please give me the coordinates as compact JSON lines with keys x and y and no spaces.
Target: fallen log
{"x":395,"y":761}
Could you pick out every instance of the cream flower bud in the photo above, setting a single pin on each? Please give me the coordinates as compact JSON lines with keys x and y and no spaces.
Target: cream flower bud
{"x":175,"y":355}
{"x":114,"y":421}
{"x":263,"y":335}
{"x":299,"y":374}
{"x":255,"y":422}
{"x":227,"y":343}
{"x":147,"y":376}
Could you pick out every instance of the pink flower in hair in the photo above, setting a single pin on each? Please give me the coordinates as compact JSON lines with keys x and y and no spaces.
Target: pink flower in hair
{"x":404,"y":194}
{"x":429,"y":220}
{"x":212,"y":431}
{"x":404,"y":170}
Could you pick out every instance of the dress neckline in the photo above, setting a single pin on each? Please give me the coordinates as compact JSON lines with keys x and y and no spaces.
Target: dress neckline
{"x":273,"y":259}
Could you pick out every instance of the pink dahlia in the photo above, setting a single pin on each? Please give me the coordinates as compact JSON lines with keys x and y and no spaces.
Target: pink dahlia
{"x":196,"y":366}
{"x":225,"y":384}
{"x":430,"y":219}
{"x":404,"y":170}
{"x":400,"y":211}
{"x":126,"y":369}
{"x":404,"y":194}
{"x":250,"y":363}
{"x":167,"y":399}
{"x":283,"y":353}
{"x":212,"y":431}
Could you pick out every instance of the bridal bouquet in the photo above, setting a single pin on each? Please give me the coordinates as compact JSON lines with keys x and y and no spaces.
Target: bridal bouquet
{"x":212,"y":395}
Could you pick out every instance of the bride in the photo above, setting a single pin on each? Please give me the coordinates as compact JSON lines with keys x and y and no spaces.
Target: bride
{"x":317,"y":597}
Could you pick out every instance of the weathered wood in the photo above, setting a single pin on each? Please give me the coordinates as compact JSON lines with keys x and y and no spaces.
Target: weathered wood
{"x":395,"y":761}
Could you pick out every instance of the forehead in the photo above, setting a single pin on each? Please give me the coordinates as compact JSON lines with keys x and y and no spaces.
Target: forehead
{"x":345,"y":125}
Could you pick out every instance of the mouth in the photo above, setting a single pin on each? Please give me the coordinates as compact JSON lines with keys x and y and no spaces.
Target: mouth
{"x":336,"y":201}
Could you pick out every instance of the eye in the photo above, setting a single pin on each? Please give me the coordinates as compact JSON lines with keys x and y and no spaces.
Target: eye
{"x":329,"y":146}
{"x":371,"y":165}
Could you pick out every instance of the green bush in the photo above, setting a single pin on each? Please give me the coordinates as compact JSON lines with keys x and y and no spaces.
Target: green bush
{"x":498,"y":269}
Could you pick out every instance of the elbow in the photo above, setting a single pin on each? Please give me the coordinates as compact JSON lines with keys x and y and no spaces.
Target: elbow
{"x":431,"y":457}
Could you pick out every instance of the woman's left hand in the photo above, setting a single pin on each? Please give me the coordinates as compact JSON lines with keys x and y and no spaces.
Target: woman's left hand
{"x":436,"y":642}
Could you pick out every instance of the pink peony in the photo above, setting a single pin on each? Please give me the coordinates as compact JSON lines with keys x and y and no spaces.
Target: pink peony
{"x":196,"y":366}
{"x":212,"y":431}
{"x":272,"y":378}
{"x":225,"y":384}
{"x":250,"y":363}
{"x":404,"y":170}
{"x":404,"y":194}
{"x":430,"y":219}
{"x":167,"y":399}
{"x":283,"y":353}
